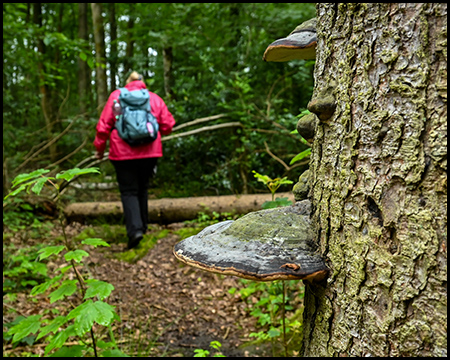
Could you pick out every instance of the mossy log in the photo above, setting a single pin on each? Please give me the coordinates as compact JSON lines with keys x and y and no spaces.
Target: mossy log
{"x":172,"y":210}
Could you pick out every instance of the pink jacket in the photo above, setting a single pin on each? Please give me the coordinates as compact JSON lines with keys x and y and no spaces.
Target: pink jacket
{"x":119,"y":149}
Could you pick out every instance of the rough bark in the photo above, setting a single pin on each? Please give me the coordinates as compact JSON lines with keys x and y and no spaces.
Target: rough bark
{"x":45,"y":94}
{"x":83,"y":68}
{"x":379,"y":185}
{"x":173,"y":210}
{"x":113,"y":46}
{"x":128,"y":63}
{"x":167,"y":65}
{"x":100,"y":71}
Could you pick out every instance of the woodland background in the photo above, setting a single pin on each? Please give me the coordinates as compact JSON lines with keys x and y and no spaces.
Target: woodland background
{"x":61,"y":61}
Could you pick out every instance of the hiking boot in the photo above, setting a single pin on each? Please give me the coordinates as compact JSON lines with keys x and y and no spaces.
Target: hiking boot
{"x":135,"y":239}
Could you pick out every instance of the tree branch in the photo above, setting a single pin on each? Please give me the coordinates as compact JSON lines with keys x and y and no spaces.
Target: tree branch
{"x":206,"y":128}
{"x":51,"y":142}
{"x":198,"y":121}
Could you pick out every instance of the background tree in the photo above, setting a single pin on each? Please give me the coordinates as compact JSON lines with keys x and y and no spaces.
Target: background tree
{"x":83,"y":68}
{"x":207,"y":57}
{"x":379,"y":186}
{"x":100,"y":57}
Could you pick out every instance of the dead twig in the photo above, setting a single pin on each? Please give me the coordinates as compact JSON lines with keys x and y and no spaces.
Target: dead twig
{"x":68,"y":155}
{"x":198,"y":121}
{"x":206,"y":128}
{"x":51,"y":142}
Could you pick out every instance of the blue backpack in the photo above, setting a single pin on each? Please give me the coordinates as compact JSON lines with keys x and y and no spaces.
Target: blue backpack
{"x":136,"y":124}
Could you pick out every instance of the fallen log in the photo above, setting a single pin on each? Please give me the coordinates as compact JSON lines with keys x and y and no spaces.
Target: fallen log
{"x":165,"y":211}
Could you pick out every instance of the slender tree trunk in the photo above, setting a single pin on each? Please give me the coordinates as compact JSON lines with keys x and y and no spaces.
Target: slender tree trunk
{"x":130,"y":43}
{"x":83,"y":68}
{"x":167,"y":64}
{"x":379,"y":184}
{"x":99,"y":37}
{"x":113,"y":46}
{"x":43,"y":87}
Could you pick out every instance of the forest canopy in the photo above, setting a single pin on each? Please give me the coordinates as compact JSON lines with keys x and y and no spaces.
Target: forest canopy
{"x":202,"y":59}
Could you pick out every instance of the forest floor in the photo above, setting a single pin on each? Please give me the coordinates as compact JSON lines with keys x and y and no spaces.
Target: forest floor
{"x":166,"y":308}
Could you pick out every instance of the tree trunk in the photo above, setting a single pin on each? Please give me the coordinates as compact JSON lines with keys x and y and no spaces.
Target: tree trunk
{"x":130,"y":42}
{"x":83,"y":68}
{"x":379,"y":184}
{"x":113,"y":46}
{"x":99,"y":37}
{"x":45,"y":94}
{"x":167,"y":65}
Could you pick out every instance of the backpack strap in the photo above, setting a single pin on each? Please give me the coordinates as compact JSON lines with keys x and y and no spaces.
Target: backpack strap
{"x":124,"y":92}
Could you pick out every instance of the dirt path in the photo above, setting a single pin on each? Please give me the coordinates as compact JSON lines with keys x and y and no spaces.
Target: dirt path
{"x":167,"y":308}
{"x":181,"y":308}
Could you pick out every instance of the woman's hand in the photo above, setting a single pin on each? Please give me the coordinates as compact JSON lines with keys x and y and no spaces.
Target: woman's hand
{"x":99,"y":155}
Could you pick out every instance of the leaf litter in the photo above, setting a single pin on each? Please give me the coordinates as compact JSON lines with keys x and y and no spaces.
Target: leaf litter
{"x":166,"y":308}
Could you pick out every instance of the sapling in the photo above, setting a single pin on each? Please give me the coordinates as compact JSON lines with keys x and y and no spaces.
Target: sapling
{"x":80,"y":320}
{"x":273,"y":185}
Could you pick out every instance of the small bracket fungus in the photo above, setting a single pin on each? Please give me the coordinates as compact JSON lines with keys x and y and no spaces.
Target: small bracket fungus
{"x":301,"y":188}
{"x":299,"y":44}
{"x":324,"y":103}
{"x":323,"y":107}
{"x":306,"y":127}
{"x":265,"y":245}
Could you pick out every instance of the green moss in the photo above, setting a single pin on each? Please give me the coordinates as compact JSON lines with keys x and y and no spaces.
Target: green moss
{"x":147,"y":243}
{"x":187,"y":232}
{"x":110,"y":233}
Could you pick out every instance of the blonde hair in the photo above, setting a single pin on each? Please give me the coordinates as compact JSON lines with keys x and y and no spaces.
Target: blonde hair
{"x":134,"y":76}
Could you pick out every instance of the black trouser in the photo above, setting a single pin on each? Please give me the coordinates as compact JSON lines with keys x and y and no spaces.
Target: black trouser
{"x":133,"y":177}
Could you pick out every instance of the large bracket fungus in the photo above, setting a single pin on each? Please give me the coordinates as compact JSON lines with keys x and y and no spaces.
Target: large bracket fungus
{"x":273,"y":244}
{"x":265,"y":245}
{"x":299,"y":44}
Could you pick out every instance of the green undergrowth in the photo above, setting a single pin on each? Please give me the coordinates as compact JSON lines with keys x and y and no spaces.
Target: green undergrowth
{"x":116,"y":234}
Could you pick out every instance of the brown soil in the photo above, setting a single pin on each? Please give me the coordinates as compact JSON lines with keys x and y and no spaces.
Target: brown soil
{"x":167,"y":308}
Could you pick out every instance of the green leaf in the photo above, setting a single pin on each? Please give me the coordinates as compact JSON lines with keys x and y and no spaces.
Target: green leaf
{"x":89,"y":312}
{"x":300,"y":156}
{"x":76,"y":255}
{"x":39,"y":185}
{"x":215,"y":344}
{"x":274,"y":333}
{"x":47,"y":40}
{"x":50,"y":250}
{"x":70,"y":351}
{"x":25,"y":177}
{"x":60,"y":338}
{"x":90,"y":63}
{"x":27,"y":326}
{"x":201,"y":353}
{"x":263,"y":178}
{"x":68,"y":175}
{"x":83,"y":56}
{"x":113,"y":353}
{"x":98,"y":288}
{"x":41,"y":288}
{"x":303,"y":113}
{"x":15,"y":191}
{"x":53,"y":327}
{"x":67,"y":288}
{"x":95,"y":242}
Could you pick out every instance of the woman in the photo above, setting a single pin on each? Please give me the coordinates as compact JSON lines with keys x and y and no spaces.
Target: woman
{"x":134,"y":165}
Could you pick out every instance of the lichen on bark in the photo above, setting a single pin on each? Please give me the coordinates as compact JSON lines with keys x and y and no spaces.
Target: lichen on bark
{"x":378,"y":181}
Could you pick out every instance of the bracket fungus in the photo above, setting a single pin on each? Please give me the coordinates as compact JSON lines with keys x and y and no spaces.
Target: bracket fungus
{"x":323,"y":106}
{"x":306,"y":127}
{"x":265,"y":245}
{"x":301,"y":188}
{"x":299,"y":44}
